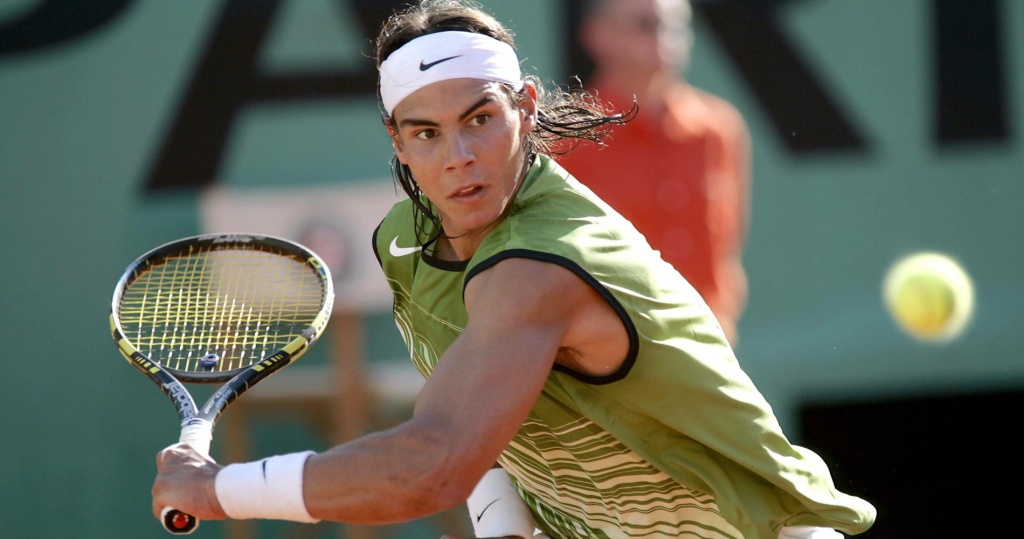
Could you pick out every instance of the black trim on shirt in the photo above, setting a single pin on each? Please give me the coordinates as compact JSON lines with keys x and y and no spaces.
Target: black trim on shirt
{"x":373,"y":242}
{"x":634,"y":341}
{"x":426,"y":254}
{"x":457,"y":266}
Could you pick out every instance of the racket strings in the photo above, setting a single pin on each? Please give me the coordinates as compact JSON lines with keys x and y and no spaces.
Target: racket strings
{"x":240,"y":303}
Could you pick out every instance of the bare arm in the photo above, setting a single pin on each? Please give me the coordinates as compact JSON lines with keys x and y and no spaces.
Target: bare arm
{"x":520,"y":313}
{"x":470,"y":408}
{"x":474,"y":402}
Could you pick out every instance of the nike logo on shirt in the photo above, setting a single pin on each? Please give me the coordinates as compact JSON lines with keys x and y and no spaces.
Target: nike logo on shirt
{"x":424,"y":67}
{"x":397,"y":251}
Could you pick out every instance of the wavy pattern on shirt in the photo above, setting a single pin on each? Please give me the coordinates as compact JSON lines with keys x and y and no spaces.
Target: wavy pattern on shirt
{"x":424,"y":357}
{"x":581,"y":480}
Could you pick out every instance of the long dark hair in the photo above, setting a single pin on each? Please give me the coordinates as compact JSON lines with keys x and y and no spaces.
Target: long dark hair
{"x":564,"y":117}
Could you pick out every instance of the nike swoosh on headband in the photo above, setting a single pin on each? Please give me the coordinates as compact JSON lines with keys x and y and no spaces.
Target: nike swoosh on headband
{"x":424,"y":67}
{"x":397,"y":251}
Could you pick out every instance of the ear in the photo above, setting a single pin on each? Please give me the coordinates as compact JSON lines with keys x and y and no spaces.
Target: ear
{"x":396,"y":143}
{"x":528,"y":109}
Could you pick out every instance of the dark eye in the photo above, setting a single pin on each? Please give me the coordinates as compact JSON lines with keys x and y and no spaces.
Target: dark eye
{"x":426,"y":134}
{"x":480,"y":119}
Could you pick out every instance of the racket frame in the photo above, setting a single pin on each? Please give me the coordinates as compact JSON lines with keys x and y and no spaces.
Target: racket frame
{"x":197,"y":423}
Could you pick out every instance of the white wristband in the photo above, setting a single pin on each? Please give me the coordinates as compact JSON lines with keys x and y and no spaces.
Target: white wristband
{"x":269,"y":488}
{"x":497,"y":509}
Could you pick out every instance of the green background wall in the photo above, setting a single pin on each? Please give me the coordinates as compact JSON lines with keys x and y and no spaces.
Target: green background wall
{"x":82,"y":122}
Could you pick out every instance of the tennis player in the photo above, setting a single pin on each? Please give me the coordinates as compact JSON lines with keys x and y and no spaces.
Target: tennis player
{"x":556,"y":343}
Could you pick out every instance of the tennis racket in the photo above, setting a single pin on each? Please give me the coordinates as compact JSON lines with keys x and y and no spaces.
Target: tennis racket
{"x":225,"y":308}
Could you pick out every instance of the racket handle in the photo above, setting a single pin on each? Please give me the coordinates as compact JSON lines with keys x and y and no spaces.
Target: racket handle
{"x":197,"y":433}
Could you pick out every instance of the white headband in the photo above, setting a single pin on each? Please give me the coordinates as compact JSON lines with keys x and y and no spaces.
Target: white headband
{"x":442,"y":56}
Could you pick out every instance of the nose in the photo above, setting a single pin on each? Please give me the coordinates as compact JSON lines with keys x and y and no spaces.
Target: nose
{"x":459,"y":151}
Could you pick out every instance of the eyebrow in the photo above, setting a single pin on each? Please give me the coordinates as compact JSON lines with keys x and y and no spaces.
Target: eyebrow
{"x":412,"y":122}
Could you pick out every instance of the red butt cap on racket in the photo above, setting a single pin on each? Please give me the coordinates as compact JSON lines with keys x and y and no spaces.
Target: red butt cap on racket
{"x":177,"y":522}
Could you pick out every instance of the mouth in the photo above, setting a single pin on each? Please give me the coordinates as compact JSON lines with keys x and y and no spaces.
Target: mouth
{"x":466,"y":192}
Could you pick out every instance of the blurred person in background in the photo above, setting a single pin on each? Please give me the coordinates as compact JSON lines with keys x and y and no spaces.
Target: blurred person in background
{"x":680,"y":172}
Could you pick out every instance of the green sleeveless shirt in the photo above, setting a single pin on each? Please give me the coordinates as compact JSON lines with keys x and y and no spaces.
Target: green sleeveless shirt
{"x":678,"y":442}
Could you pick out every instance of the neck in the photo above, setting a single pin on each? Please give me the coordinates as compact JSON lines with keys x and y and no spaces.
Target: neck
{"x":464,"y":246}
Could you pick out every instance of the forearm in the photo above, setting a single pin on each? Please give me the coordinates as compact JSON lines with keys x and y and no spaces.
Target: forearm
{"x":392,"y":476}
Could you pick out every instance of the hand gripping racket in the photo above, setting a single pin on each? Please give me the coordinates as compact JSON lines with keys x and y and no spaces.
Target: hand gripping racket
{"x":225,"y":308}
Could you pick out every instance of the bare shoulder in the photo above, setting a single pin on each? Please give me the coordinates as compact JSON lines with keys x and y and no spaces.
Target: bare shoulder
{"x":526,"y":284}
{"x":592,"y":337}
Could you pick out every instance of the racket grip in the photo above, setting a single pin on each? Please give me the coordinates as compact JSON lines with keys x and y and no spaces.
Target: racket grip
{"x":197,"y":433}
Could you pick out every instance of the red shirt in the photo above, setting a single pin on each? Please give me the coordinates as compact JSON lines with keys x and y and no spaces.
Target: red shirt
{"x":682,"y":178}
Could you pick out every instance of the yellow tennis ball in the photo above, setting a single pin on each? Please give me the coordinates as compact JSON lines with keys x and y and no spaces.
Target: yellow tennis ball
{"x":929,"y":295}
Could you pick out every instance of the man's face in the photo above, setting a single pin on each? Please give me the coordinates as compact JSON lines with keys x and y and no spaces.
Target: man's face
{"x":639,"y":34}
{"x":463,"y":141}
